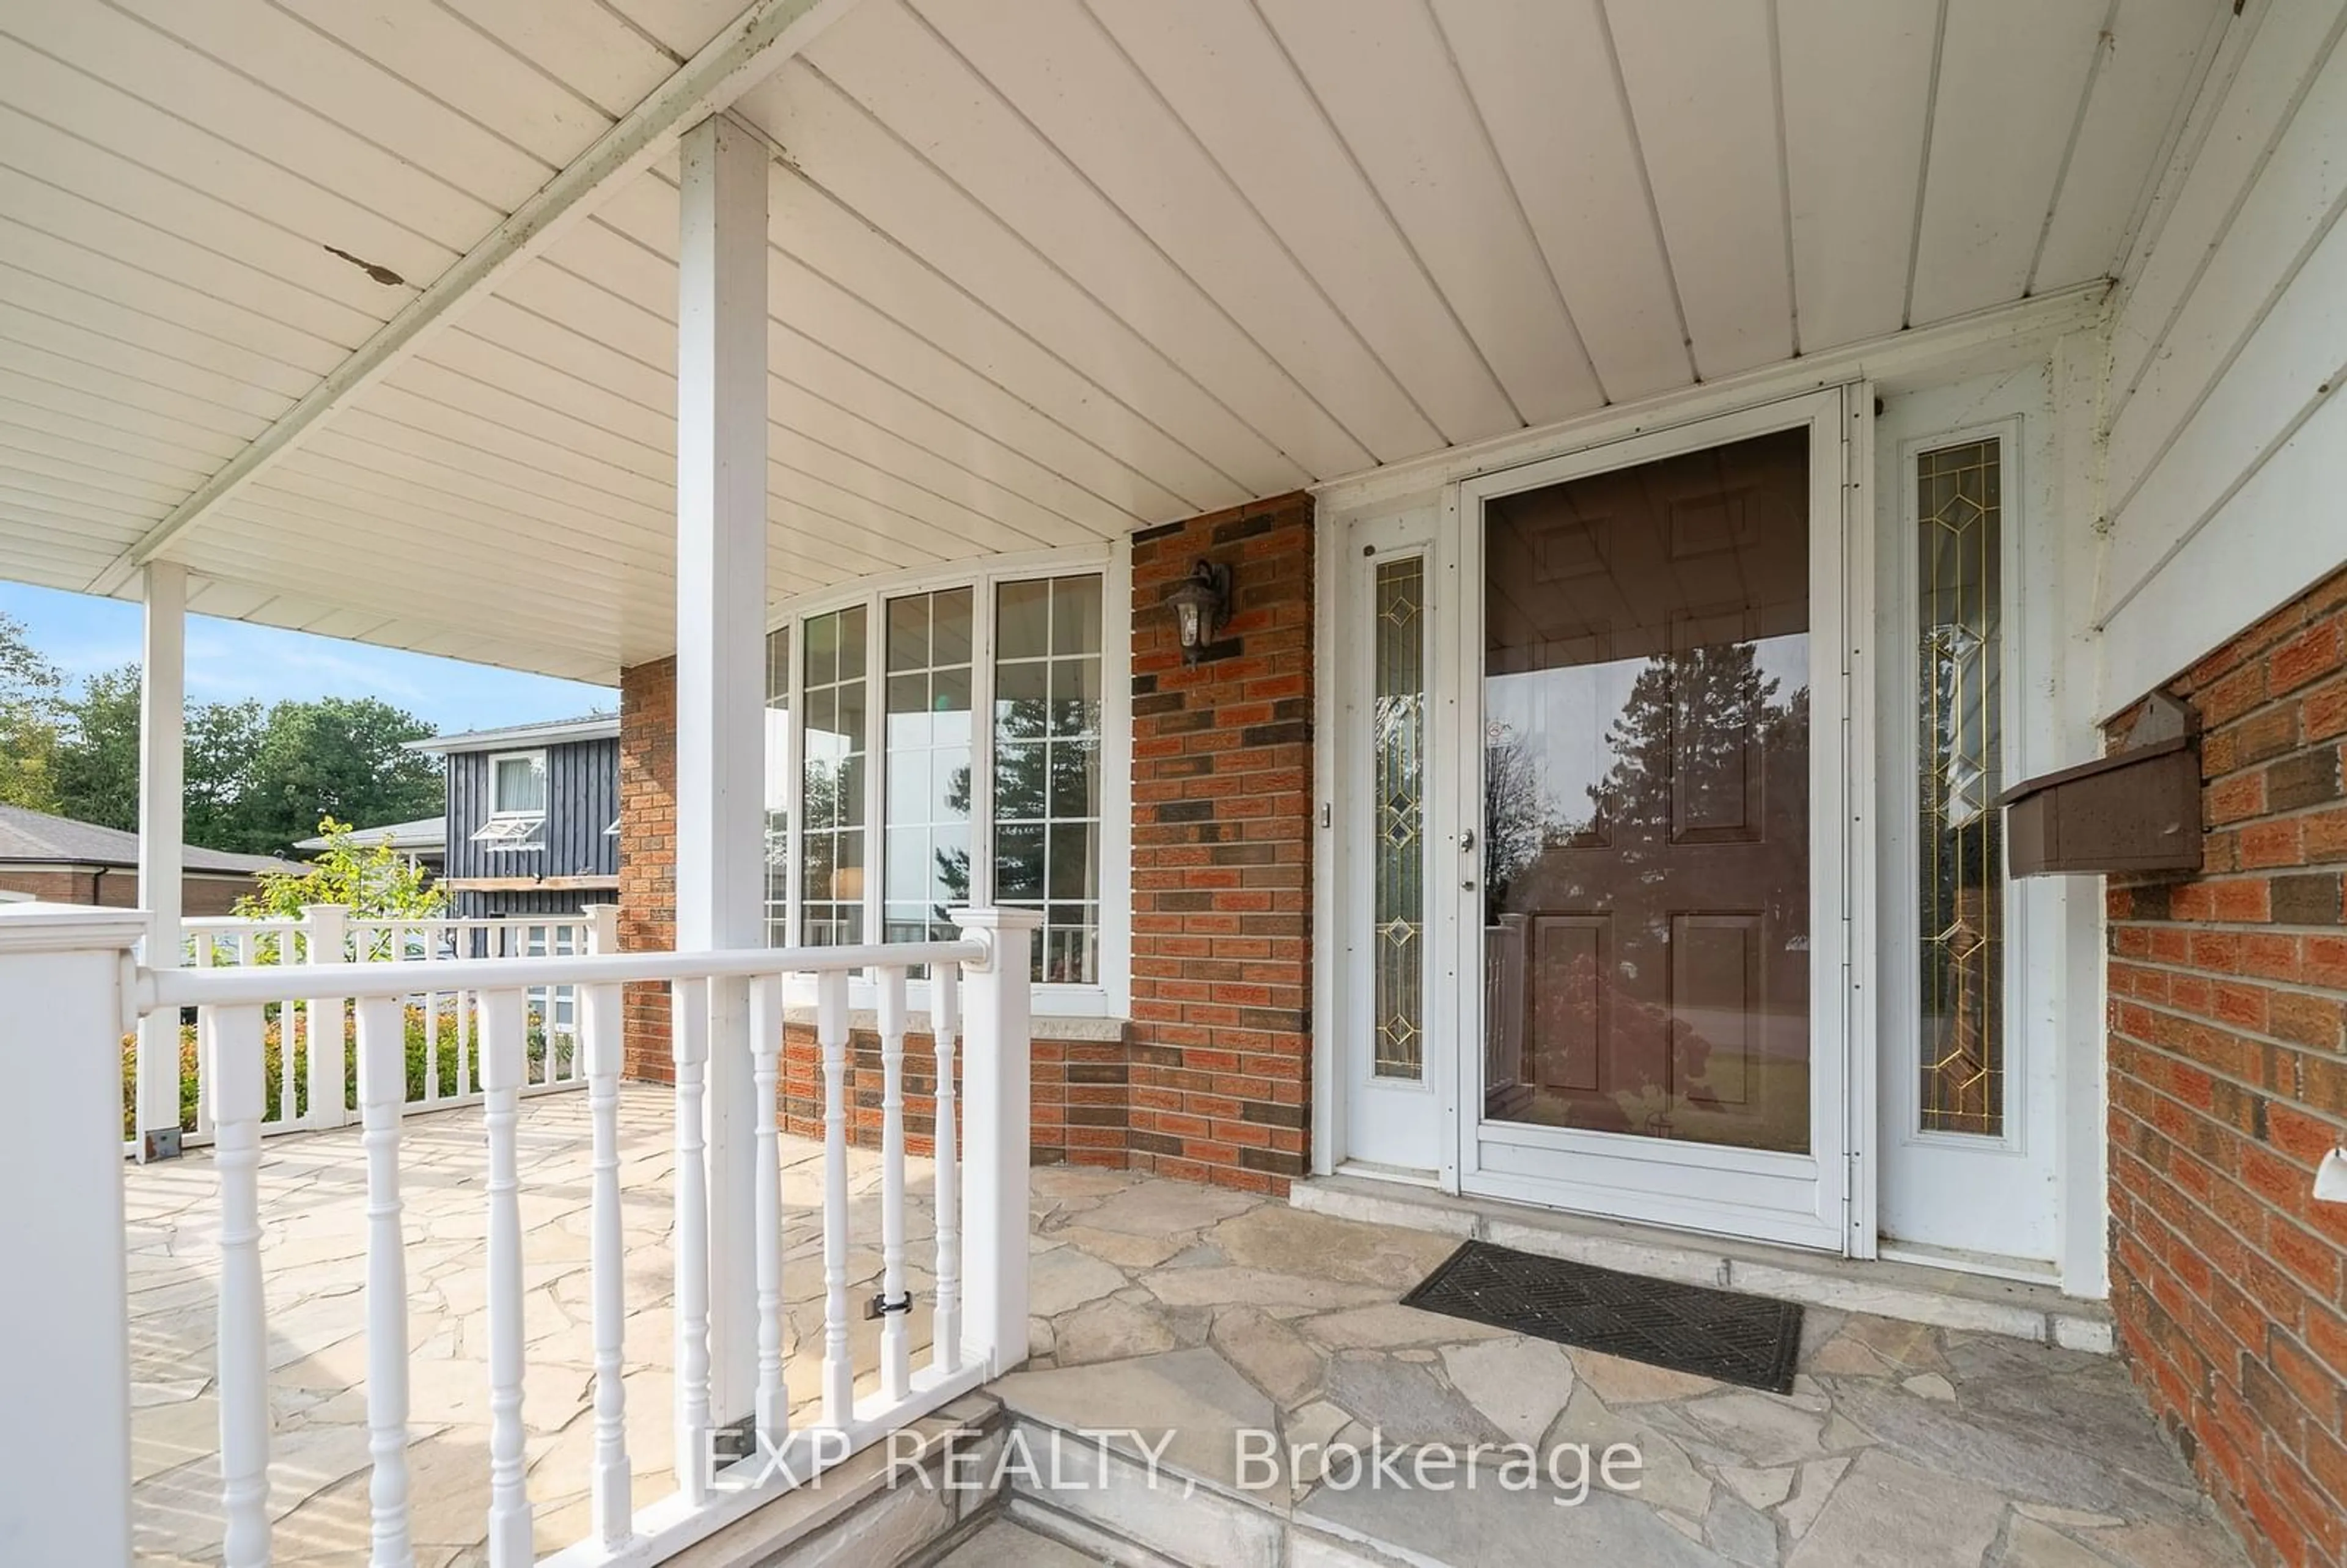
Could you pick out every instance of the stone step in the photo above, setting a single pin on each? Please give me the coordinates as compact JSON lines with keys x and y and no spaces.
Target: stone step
{"x":1913,"y":1293}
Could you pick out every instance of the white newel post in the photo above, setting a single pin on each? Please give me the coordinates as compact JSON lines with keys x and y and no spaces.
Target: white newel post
{"x":162,"y":776}
{"x":721,"y":662}
{"x":65,"y":1447}
{"x":329,"y":930}
{"x":996,"y":1018}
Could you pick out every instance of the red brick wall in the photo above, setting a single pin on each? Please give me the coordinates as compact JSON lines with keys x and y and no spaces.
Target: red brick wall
{"x":1221,"y":1056}
{"x":117,"y":888}
{"x":648,"y":852}
{"x":1064,"y":1079}
{"x":2228,"y":993}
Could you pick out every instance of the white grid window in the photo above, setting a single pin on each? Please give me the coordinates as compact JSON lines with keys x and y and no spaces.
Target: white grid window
{"x":1047,"y":767}
{"x":778,"y":776}
{"x":990,"y":707}
{"x":925,"y":814}
{"x":834,"y":742}
{"x":516,"y":819}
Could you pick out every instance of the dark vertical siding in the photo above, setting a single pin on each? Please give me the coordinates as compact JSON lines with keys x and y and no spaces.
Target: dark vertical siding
{"x":582,"y":799}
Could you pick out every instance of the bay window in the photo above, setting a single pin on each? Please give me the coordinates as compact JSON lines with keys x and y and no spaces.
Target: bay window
{"x":961,"y":722}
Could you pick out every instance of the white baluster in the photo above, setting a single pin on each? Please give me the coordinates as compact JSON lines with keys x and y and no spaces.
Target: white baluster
{"x":461,"y":1015}
{"x":501,"y":1076}
{"x":433,"y":1090}
{"x":896,"y":1301}
{"x":382,"y":1091}
{"x":206,"y":957}
{"x":235,"y":1074}
{"x":831,"y":1034}
{"x":329,"y":943}
{"x":773,"y":1404}
{"x":614,"y":1502}
{"x":945,"y":1022}
{"x":289,"y":1105}
{"x":689,"y":1046}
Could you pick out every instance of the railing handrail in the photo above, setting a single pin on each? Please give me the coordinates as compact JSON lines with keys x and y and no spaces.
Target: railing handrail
{"x":183,"y":987}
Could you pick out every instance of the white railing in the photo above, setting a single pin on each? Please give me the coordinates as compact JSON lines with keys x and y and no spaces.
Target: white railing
{"x":727,"y":1008}
{"x":309,"y":1084}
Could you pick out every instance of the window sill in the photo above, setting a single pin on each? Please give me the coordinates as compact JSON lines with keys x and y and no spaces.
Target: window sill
{"x":1067,"y":1027}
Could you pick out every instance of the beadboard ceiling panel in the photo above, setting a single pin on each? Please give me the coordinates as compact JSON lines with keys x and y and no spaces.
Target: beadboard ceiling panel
{"x":1041,"y":272}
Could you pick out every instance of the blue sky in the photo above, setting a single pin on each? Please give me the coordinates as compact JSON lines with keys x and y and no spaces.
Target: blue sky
{"x":229,"y":661}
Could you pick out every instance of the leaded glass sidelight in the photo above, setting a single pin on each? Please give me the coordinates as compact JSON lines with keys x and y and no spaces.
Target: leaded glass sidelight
{"x":1960,"y":830}
{"x":1397,"y":855}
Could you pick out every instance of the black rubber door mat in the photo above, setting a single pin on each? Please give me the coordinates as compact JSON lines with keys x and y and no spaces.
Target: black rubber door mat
{"x":1746,"y":1339}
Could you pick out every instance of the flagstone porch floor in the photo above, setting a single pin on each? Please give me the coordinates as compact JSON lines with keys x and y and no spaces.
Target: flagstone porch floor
{"x":1158,"y":1305}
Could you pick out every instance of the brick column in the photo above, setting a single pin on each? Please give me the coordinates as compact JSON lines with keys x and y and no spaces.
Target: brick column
{"x":2228,"y":1083}
{"x":648,"y":852}
{"x":1221,"y":1059}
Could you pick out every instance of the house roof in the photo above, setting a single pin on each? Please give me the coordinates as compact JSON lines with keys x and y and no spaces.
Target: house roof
{"x":283,"y":286}
{"x":424,"y":834}
{"x":547,"y":733}
{"x":36,"y":837}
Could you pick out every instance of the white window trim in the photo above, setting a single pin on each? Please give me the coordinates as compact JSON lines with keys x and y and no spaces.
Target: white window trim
{"x":1112,"y":560}
{"x":513,"y":832}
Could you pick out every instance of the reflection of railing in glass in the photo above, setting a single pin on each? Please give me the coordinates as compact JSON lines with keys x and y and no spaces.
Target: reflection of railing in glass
{"x":1961,"y":860}
{"x":1398,"y":853}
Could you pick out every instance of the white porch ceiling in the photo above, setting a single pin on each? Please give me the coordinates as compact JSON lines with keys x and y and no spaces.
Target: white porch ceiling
{"x":1043,"y":271}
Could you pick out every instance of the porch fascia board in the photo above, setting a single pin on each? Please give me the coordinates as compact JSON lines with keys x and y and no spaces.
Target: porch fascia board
{"x":2003,"y":334}
{"x":752,"y":47}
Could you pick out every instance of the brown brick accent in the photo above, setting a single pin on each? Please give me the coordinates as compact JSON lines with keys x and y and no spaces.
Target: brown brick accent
{"x":2227,"y":1082}
{"x":1220,"y":1057}
{"x":648,"y":852}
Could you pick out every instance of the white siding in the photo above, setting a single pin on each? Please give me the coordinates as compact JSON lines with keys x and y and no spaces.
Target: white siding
{"x":2227,"y":452}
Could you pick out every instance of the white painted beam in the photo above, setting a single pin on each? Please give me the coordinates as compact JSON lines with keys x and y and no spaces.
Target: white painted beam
{"x":721,"y":664}
{"x":752,"y":46}
{"x":162,"y":830}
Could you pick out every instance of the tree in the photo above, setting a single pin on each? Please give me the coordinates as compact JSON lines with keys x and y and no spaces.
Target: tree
{"x":29,"y":721}
{"x":256,"y":779}
{"x":343,"y":757}
{"x":98,"y":760}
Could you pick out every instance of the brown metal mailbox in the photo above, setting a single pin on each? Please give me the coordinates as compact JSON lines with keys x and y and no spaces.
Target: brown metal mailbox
{"x":2132,"y":811}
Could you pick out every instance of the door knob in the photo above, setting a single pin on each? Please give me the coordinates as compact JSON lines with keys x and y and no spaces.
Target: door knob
{"x":1467,"y":840}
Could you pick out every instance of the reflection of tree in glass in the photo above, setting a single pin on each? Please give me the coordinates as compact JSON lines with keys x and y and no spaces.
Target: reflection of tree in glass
{"x":1514,"y":826}
{"x":1684,"y":748}
{"x":1032,"y":781}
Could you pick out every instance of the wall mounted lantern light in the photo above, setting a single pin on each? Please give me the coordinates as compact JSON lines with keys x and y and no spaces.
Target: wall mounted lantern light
{"x":1201,"y":605}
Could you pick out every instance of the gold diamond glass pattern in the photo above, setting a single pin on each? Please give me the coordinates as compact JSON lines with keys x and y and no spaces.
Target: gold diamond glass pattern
{"x":1398,"y":853}
{"x":1960,"y":831}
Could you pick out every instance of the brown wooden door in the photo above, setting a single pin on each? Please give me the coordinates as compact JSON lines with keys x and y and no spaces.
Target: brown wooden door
{"x":1647,"y":810}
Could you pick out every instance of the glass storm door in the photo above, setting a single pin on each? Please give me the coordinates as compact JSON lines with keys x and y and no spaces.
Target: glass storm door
{"x":1657,"y":770}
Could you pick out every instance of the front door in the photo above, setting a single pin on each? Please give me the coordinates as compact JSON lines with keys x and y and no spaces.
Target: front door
{"x":1650,"y":739}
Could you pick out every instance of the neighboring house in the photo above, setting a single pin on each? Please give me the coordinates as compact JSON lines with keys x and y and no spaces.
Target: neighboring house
{"x":423,"y":843}
{"x":532,"y":819}
{"x":62,"y":861}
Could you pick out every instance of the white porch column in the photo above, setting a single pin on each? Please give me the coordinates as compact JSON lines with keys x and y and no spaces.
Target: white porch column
{"x":162,"y":829}
{"x":64,"y":1383}
{"x":721,"y":662}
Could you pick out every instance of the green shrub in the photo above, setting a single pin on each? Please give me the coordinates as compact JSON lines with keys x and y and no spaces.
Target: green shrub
{"x":273,"y":1049}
